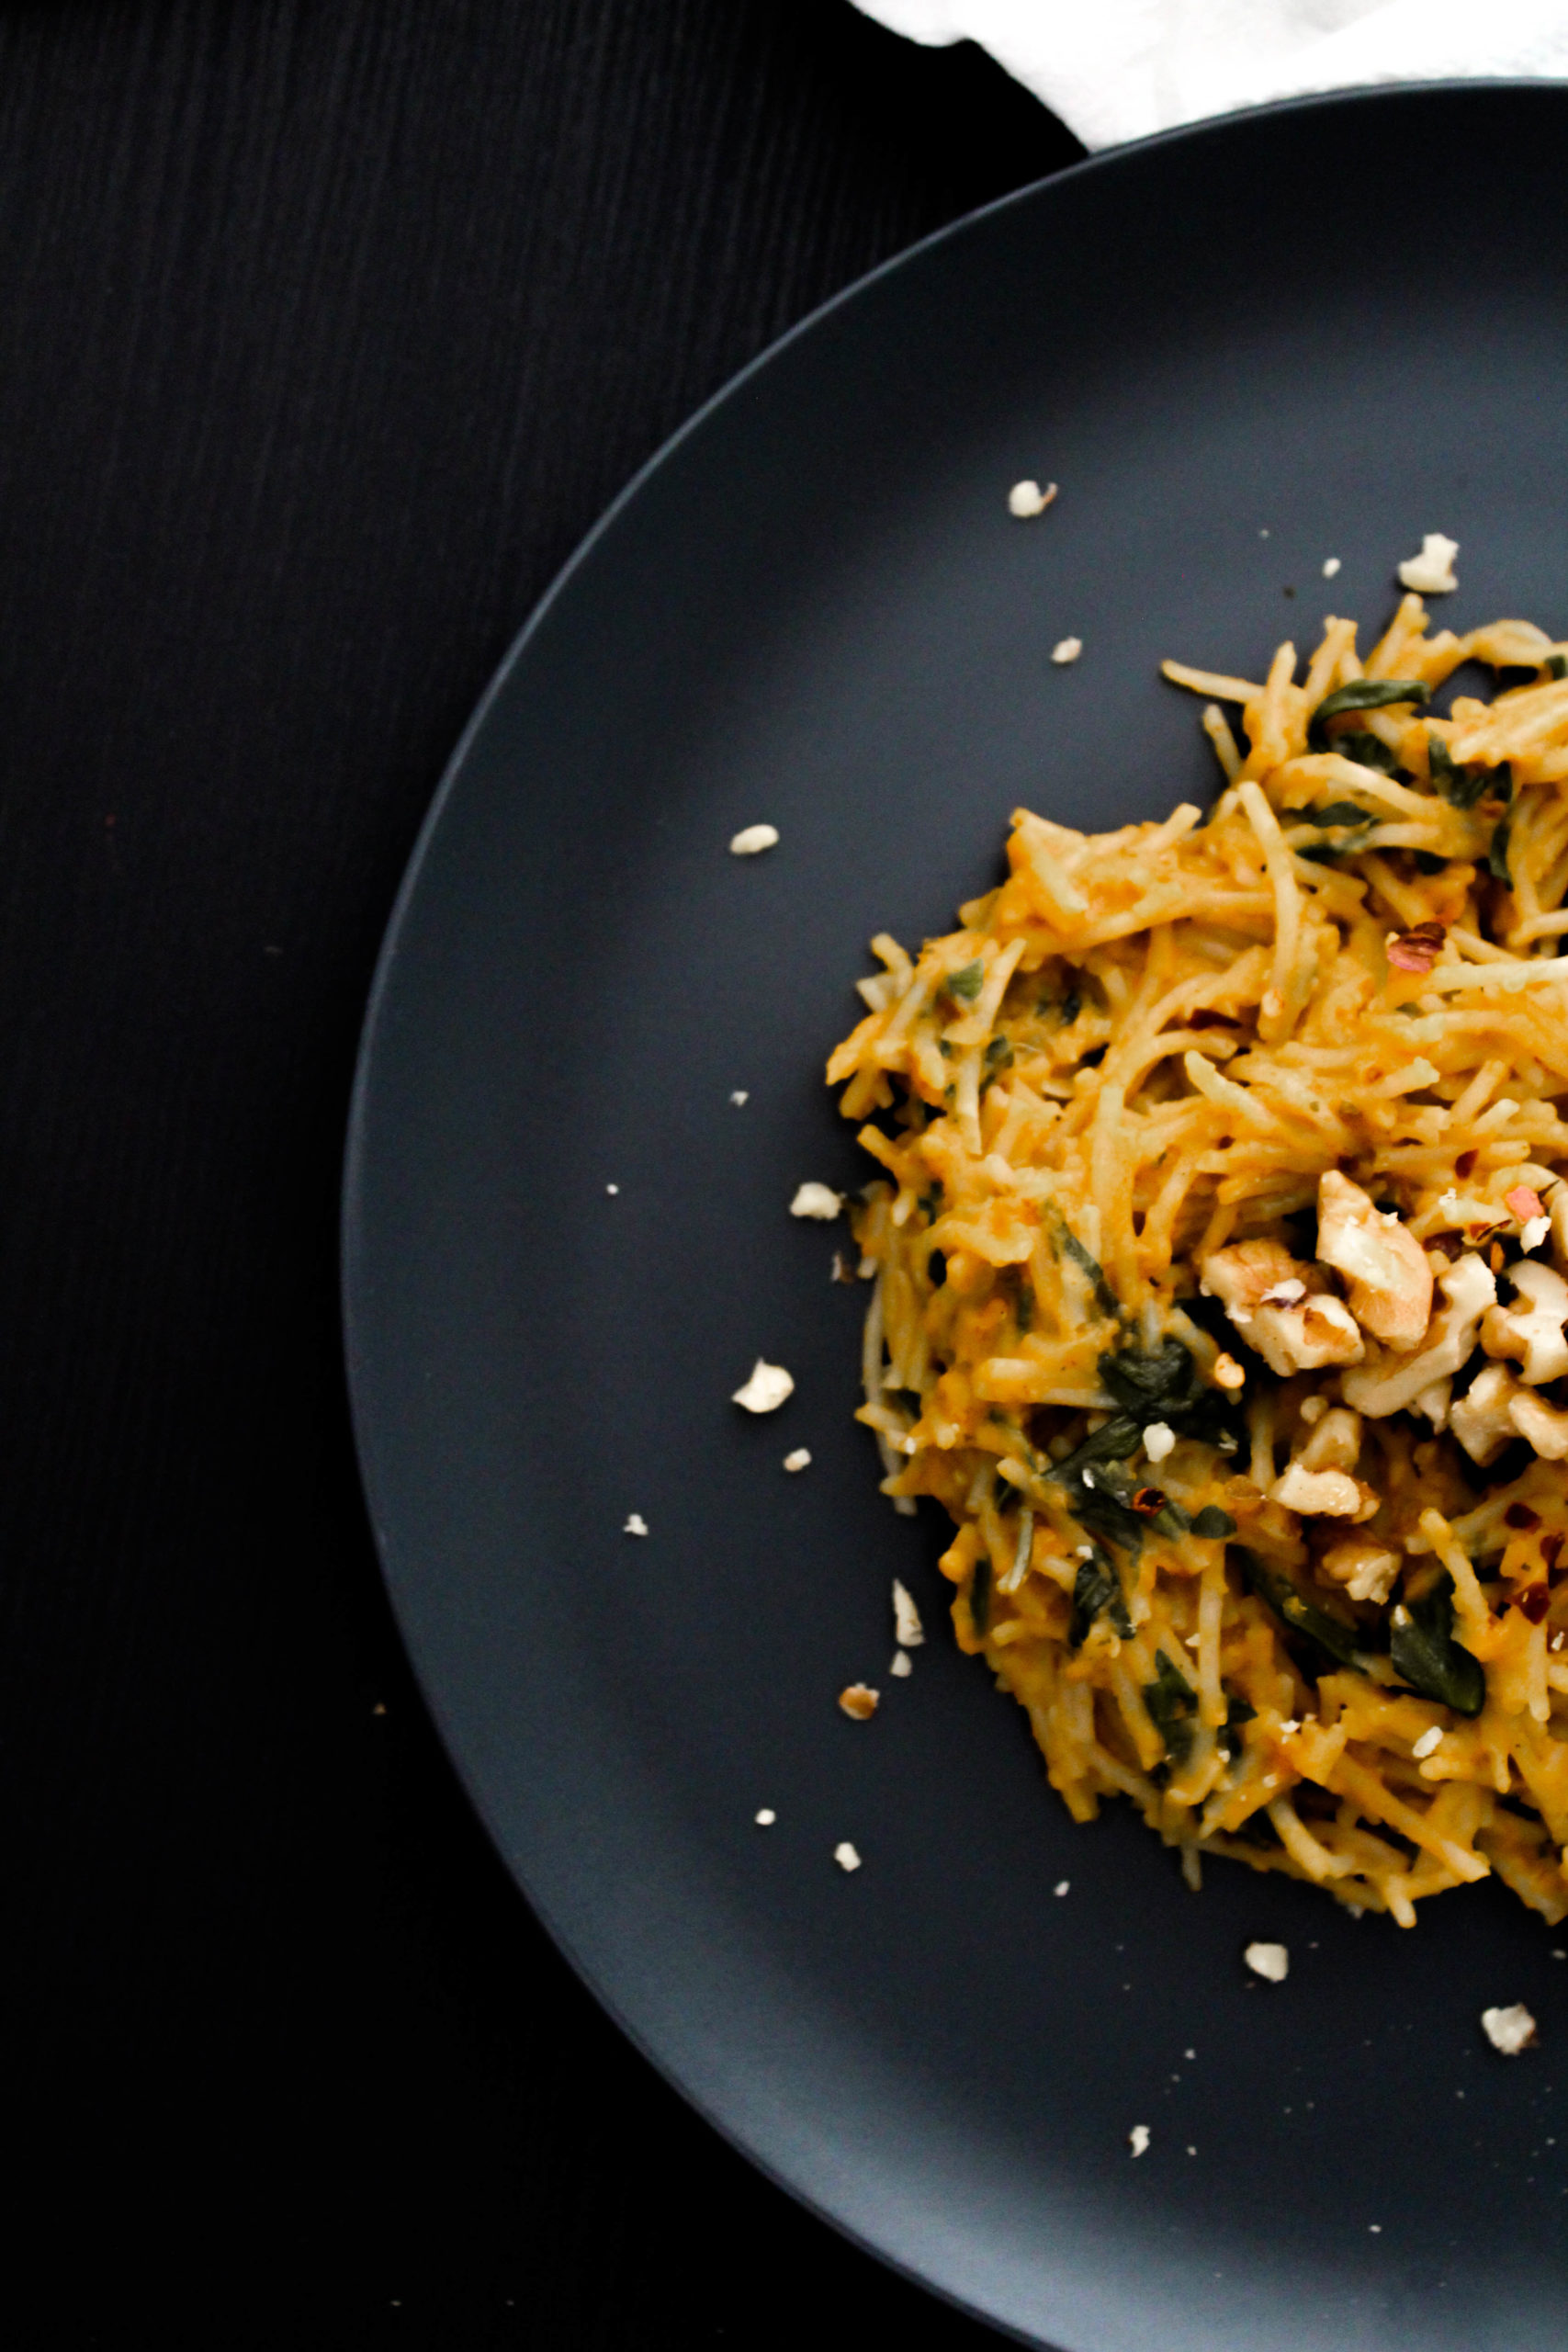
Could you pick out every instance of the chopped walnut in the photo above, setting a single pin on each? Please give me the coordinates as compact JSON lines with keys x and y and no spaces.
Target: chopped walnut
{"x":1364,"y":1566}
{"x":1391,"y":1283}
{"x":1531,"y":1330}
{"x":1267,"y":1295}
{"x":1318,"y":1494}
{"x":859,"y":1701}
{"x":1392,"y":1382}
{"x":1498,"y":1408}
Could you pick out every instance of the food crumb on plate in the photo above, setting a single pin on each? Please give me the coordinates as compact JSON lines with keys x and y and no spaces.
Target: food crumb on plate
{"x":1331,"y":566}
{"x":1431,"y":573}
{"x":612,"y":1189}
{"x":1066,"y":648}
{"x":1061,"y":1886}
{"x":766,"y":1390}
{"x":816,"y":1199}
{"x":1138,"y":2138}
{"x":738,"y":1096}
{"x":1027,"y":498}
{"x":845,"y":1855}
{"x":800,"y":1460}
{"x":753,"y":839}
{"x":859,"y":1700}
{"x":909,"y":1631}
{"x":764,"y":1816}
{"x":1270,"y":1961}
{"x":636,"y":1525}
{"x":1510,"y":2030}
{"x":1375,"y":2229}
{"x":903,"y":1664}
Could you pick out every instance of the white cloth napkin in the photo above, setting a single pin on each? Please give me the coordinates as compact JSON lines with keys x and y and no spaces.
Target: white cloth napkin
{"x":1120,"y":69}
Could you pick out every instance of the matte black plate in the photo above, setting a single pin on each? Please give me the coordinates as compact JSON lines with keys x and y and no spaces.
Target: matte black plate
{"x":1317,"y":330}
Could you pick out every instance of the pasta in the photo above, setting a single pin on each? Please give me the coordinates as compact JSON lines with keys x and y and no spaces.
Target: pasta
{"x":1217,"y":1249}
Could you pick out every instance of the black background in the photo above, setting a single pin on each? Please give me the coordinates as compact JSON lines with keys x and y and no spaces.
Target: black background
{"x":327,"y":327}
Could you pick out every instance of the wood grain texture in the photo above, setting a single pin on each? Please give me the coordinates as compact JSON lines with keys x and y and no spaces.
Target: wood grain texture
{"x":327,"y":327}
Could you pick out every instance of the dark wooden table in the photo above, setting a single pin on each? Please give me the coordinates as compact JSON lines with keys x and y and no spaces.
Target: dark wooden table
{"x":327,"y":327}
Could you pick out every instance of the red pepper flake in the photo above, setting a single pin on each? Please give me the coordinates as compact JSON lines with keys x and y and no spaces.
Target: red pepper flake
{"x":1416,"y":951}
{"x":1465,"y":1162}
{"x":1535,"y":1600}
{"x":1520,"y":1515}
{"x":1550,"y":1547}
{"x":1523,"y":1202}
{"x":1149,"y":1502}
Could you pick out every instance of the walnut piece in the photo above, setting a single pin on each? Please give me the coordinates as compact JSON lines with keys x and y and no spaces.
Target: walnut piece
{"x":1391,"y":1283}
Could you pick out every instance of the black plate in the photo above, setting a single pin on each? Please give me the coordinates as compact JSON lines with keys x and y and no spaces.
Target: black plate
{"x":1317,"y":330}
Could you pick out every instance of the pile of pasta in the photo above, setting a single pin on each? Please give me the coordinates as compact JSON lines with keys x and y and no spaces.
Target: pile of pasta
{"x":1217,"y":1249}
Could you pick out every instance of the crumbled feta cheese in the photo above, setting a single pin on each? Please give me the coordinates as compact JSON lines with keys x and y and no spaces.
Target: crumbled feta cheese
{"x":1431,"y":573}
{"x":636,"y":1525}
{"x":739,"y":1097}
{"x":800,"y":1460}
{"x":1510,"y":2030}
{"x":903,"y":1664}
{"x":1138,"y":2138}
{"x":765,"y":1391}
{"x":1427,"y":1743}
{"x":1083,"y":1551}
{"x":1271,"y":1961}
{"x":816,"y":1199}
{"x":765,"y":1818}
{"x":1534,"y":1232}
{"x":845,"y":1856}
{"x":859,"y":1701}
{"x":1331,"y":568}
{"x":1061,"y":1886}
{"x":752,"y":838}
{"x":1159,"y":1439}
{"x":1066,"y":648}
{"x":906,"y":1617}
{"x":1027,"y":498}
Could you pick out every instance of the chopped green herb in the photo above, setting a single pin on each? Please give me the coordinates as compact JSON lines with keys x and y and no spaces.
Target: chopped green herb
{"x":1461,"y":787}
{"x":1238,"y":1712}
{"x":1081,"y":1257}
{"x":1497,"y":853}
{"x":965,"y":984}
{"x":1422,"y":1649}
{"x":1096,"y":1588}
{"x":1557,"y":665}
{"x":1332,"y":812}
{"x":1299,"y":1614}
{"x":1368,"y":751}
{"x":980,"y":1593}
{"x":1211,"y":1523}
{"x":1071,"y":1008}
{"x":997,"y":1057}
{"x":1172,"y":1702}
{"x":1162,"y":1385}
{"x":931,"y":1199}
{"x":1362,"y":694}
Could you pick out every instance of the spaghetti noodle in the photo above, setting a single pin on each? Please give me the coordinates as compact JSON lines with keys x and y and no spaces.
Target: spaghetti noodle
{"x":1217,"y":1292}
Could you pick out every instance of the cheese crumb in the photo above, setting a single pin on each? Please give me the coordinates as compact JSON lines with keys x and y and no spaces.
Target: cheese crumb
{"x":1429,"y":1741}
{"x":1331,"y":568}
{"x":765,"y":1818}
{"x":908,"y":1627}
{"x":1061,"y":1886}
{"x":1228,"y":1374}
{"x":1271,"y":1961}
{"x":1159,"y":1439}
{"x":816,"y":1199}
{"x":1066,"y":648}
{"x":800,"y":1460}
{"x":1510,"y":2030}
{"x":1534,"y":1232}
{"x":1027,"y":498}
{"x":765,"y":1391}
{"x":903,"y":1664}
{"x":859,"y":1700}
{"x":636,"y":1525}
{"x":1138,"y":2138}
{"x":752,"y":838}
{"x":845,"y":1856}
{"x":739,"y":1097}
{"x":1431,"y":573}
